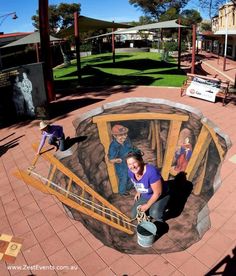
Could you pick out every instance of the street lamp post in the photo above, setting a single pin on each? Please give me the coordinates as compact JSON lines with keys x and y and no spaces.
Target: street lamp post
{"x":226,"y":36}
{"x":4,"y":17}
{"x":193,"y":49}
{"x":179,"y":43}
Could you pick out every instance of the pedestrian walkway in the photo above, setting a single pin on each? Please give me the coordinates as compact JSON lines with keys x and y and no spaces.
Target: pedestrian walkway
{"x":63,"y":246}
{"x":212,"y":65}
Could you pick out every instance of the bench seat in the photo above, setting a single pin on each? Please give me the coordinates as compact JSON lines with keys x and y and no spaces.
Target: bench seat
{"x":224,"y":86}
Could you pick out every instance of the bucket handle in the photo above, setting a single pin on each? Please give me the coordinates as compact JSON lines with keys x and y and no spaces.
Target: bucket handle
{"x":141,"y":216}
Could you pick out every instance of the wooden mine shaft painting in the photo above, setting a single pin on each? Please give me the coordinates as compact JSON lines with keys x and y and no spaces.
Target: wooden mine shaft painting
{"x":185,"y":146}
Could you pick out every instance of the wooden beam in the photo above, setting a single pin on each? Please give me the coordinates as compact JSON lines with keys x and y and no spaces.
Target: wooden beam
{"x":198,"y":187}
{"x":171,"y":145}
{"x":158,"y":144}
{"x":140,"y":116}
{"x":199,"y":151}
{"x":106,"y":140}
{"x":215,"y":138}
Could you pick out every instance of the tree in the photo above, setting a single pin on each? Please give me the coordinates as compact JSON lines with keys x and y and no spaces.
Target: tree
{"x":190,"y":17}
{"x":171,"y":14}
{"x":156,"y":8}
{"x":60,"y":16}
{"x":143,"y":20}
{"x":205,"y":26}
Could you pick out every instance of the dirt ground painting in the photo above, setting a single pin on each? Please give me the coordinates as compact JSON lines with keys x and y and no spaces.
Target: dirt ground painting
{"x":174,"y":137}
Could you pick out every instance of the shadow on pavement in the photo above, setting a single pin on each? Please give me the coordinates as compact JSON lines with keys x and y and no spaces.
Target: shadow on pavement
{"x":228,"y":265}
{"x":7,"y":136}
{"x":162,"y":228}
{"x":62,"y":107}
{"x":69,"y":142}
{"x":11,"y":144}
{"x":180,"y":190}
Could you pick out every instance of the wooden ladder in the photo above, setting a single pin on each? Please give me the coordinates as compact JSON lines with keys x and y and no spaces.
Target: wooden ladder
{"x":84,"y":199}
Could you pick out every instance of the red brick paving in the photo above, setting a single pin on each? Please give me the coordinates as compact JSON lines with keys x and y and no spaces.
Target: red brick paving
{"x":51,"y":238}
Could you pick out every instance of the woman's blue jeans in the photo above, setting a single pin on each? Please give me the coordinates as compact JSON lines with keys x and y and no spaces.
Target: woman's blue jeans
{"x":156,"y":211}
{"x":58,"y":142}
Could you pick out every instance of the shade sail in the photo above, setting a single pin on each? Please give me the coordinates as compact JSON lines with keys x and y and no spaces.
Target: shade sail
{"x":86,"y":24}
{"x":159,"y":25}
{"x":29,"y":39}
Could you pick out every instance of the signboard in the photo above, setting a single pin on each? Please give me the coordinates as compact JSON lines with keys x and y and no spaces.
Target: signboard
{"x":203,"y":89}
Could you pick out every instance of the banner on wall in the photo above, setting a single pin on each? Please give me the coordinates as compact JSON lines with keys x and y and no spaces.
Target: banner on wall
{"x":203,"y":89}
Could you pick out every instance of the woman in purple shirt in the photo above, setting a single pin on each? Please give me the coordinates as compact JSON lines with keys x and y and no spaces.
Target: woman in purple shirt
{"x":55,"y":136}
{"x":151,"y":191}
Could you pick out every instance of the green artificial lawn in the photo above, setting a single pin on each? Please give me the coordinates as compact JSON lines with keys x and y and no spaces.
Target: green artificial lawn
{"x":142,"y":68}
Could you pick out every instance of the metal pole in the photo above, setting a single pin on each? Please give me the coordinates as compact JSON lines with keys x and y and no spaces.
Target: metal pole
{"x":179,"y":44}
{"x":45,"y":49}
{"x":226,"y":38}
{"x":113,"y":44}
{"x":77,"y":45}
{"x":193,"y":49}
{"x":37,"y":51}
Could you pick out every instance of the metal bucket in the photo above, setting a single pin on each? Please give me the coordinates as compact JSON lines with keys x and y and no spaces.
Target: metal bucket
{"x":146,"y":232}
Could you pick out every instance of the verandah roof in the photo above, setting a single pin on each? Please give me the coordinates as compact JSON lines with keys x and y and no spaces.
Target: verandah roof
{"x":29,"y":39}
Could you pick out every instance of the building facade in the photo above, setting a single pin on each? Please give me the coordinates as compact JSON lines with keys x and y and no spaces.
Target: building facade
{"x":222,"y":40}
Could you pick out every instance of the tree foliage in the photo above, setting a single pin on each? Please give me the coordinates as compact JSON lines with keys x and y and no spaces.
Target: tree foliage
{"x":212,"y":6}
{"x":205,"y":26}
{"x":190,"y":17}
{"x":60,"y":16}
{"x":171,"y":14}
{"x":157,"y":8}
{"x":143,"y":20}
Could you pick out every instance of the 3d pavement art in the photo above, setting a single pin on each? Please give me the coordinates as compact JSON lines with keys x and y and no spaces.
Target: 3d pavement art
{"x":186,"y":147}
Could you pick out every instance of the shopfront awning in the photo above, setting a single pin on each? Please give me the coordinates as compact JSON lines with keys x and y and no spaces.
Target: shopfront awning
{"x":224,"y":32}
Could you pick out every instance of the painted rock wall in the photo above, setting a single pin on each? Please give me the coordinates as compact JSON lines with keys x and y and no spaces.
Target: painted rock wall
{"x":161,"y":129}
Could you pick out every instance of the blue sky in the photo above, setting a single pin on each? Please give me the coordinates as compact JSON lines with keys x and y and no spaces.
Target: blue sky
{"x":117,"y":10}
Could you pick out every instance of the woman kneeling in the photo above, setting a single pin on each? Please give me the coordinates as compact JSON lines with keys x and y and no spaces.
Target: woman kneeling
{"x":151,"y":191}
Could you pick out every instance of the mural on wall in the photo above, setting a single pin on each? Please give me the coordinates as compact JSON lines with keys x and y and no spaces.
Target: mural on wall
{"x":183,"y":151}
{"x":18,"y":97}
{"x":174,"y":139}
{"x":22,"y":92}
{"x":118,"y":149}
{"x":22,"y":95}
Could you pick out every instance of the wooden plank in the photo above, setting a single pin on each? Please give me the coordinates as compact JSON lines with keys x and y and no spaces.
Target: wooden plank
{"x":199,"y":151}
{"x":68,"y":187}
{"x":51,"y":174}
{"x":37,"y":183}
{"x":28,"y":179}
{"x":34,"y":162}
{"x":106,"y":140}
{"x":150,"y":132}
{"x":140,"y":116}
{"x":153,"y":136}
{"x":171,"y":145}
{"x":198,"y":187}
{"x":158,"y":144}
{"x":216,"y":141}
